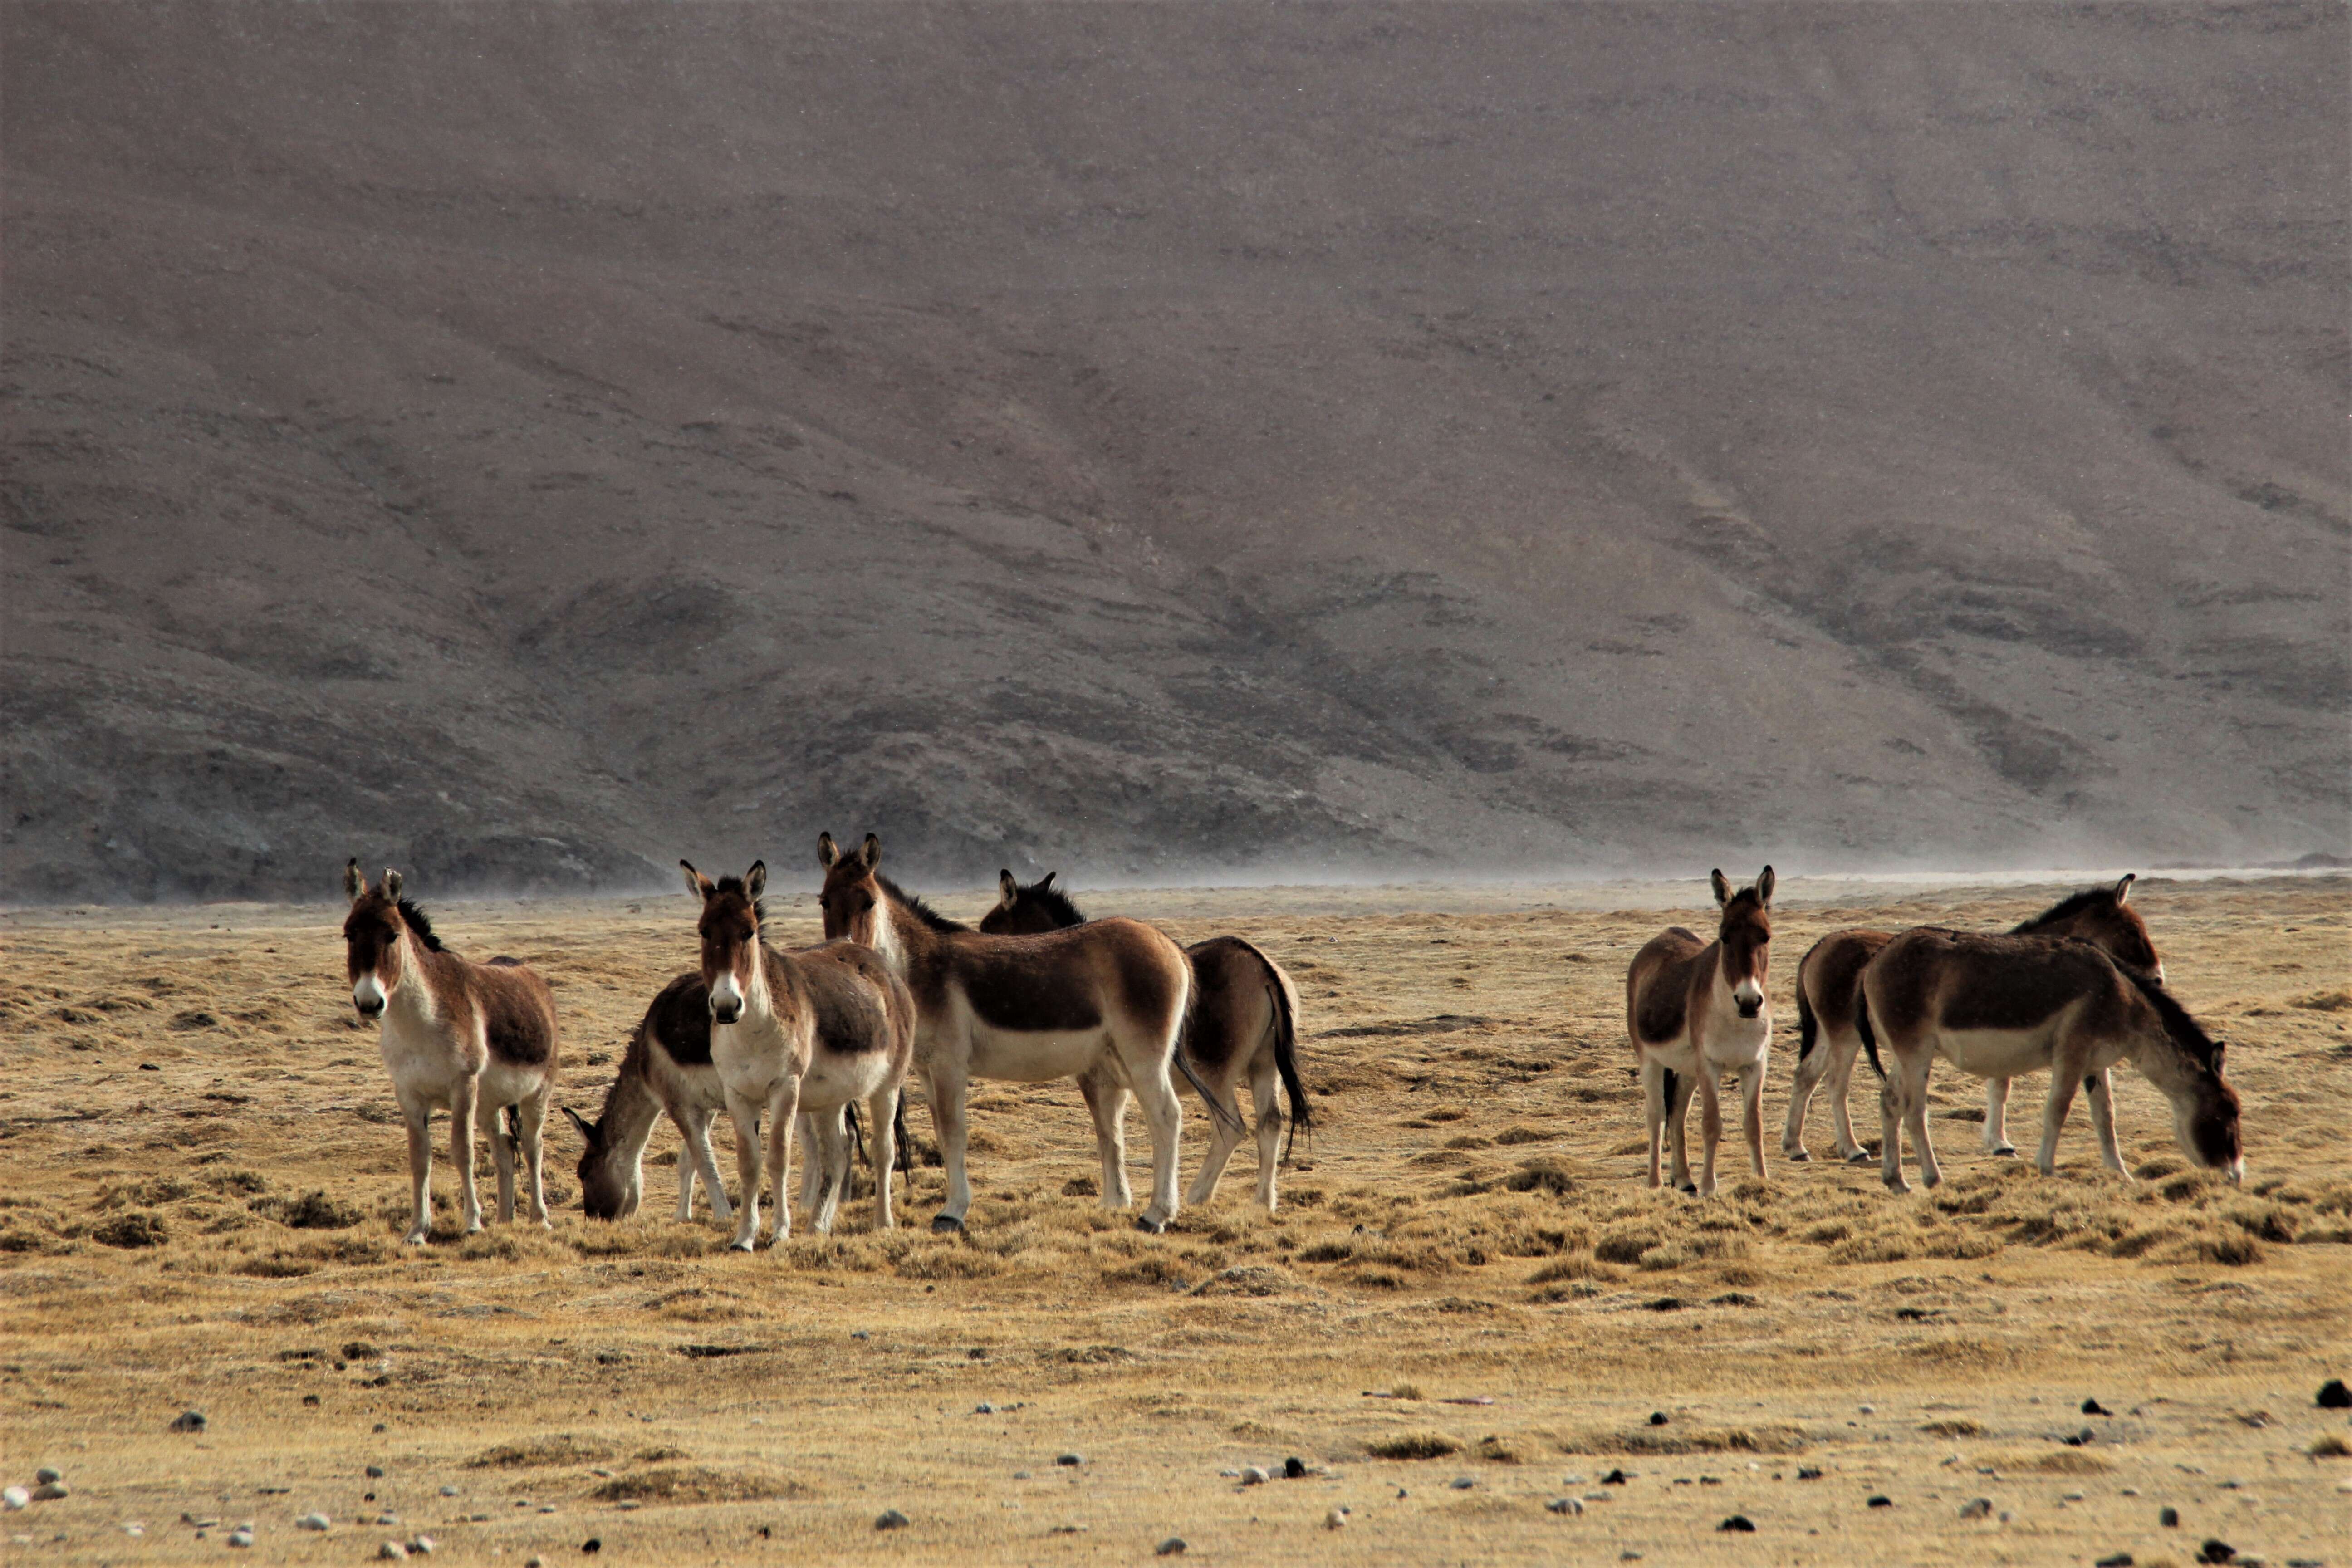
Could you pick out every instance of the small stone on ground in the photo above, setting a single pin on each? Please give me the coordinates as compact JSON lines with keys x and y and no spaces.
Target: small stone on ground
{"x":1171,"y":1547}
{"x":891,"y":1518}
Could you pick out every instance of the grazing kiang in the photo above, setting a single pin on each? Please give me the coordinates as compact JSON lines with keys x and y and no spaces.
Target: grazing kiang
{"x":1829,"y":982}
{"x":1697,"y":1012}
{"x":1244,"y":1028}
{"x":1104,"y":1003}
{"x":2005,"y":1006}
{"x":472,"y":1039}
{"x":667,"y":1070}
{"x":806,"y":1032}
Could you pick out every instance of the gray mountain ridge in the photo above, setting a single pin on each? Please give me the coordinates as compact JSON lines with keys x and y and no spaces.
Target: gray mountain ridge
{"x":528,"y":444}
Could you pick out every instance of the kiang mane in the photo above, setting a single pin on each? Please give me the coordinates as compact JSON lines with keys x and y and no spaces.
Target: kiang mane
{"x":1058,"y":905}
{"x":418,"y":926}
{"x":2065,"y":908}
{"x":921,"y":910}
{"x":2185,"y":1031}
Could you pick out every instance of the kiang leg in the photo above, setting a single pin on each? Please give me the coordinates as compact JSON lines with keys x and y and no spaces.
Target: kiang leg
{"x":1265,"y":1092}
{"x":1751,"y":1094}
{"x":1710,"y":1122}
{"x":1224,"y":1137}
{"x":1685,"y":1085}
{"x":948,"y":1120}
{"x":531,"y":1127}
{"x":417,"y":1114}
{"x":744,"y":1113}
{"x":1996,"y":1122}
{"x":1655,"y":1094}
{"x":1105,"y":1098}
{"x":783,"y":1118}
{"x":464,"y":1099}
{"x":1915,"y":1115}
{"x":1890,"y":1126}
{"x":1163,"y":1113}
{"x":2103,"y":1121}
{"x":492,"y":1123}
{"x":698,"y":1153}
{"x":882,"y":1107}
{"x":1846,"y":1050}
{"x":2067,"y":1069}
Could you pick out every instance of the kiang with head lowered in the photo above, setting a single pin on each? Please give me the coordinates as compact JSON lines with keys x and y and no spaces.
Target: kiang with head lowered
{"x":1999,"y":1007}
{"x":1244,"y":1028}
{"x":1829,"y":992}
{"x":1697,"y":1012}
{"x":801,"y":1032}
{"x":472,"y":1039}
{"x":1104,"y":1003}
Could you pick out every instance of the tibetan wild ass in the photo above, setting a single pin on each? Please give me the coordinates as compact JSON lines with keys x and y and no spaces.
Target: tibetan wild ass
{"x":1829,"y":979}
{"x":1999,"y":1007}
{"x":1245,"y":1026}
{"x":667,"y":1070}
{"x":794,"y":1033}
{"x":470,"y":1039}
{"x":1697,"y":1012}
{"x":1104,"y":1002}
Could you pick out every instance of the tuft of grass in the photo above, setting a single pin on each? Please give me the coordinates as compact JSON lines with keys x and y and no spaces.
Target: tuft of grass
{"x":2330,"y":1446}
{"x":550,"y":1448}
{"x":1412,"y":1445}
{"x":137,"y":1228}
{"x":699,"y":1483}
{"x":1955,"y":1427}
{"x":1516,"y":1134}
{"x":1656,"y":1440}
{"x":1626,"y":1246}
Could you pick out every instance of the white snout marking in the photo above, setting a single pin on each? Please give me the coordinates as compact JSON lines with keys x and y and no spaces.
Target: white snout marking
{"x":2238,"y":1170}
{"x":1747,"y":993}
{"x":727,"y":996}
{"x":367,"y":994}
{"x":2159,"y":972}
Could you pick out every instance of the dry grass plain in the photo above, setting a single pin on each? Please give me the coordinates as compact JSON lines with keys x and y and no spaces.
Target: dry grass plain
{"x":1469,"y":1223}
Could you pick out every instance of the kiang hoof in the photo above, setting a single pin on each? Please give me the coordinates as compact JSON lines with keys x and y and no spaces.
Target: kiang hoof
{"x":1688,"y":1189}
{"x":1796,"y":1156}
{"x":947,"y":1225}
{"x":741,"y":1245}
{"x":2006,"y":1152}
{"x":1861,"y":1157}
{"x":1149,"y":1226}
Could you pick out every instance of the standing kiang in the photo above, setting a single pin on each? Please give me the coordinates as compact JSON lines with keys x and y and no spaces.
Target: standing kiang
{"x":1697,"y":1012}
{"x":1829,"y":994}
{"x":804,"y":1032}
{"x":472,"y":1039}
{"x":1104,"y":1003}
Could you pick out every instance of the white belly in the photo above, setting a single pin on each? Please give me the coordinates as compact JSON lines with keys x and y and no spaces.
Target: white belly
{"x":1734,"y":1042}
{"x":1022,"y":1057}
{"x":836,"y":1080}
{"x":752,"y":1057}
{"x":1995,"y":1053}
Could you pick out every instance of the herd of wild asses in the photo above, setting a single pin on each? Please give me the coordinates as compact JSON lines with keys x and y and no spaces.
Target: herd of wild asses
{"x":797,"y":1038}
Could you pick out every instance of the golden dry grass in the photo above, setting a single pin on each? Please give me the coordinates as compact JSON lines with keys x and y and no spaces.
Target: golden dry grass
{"x":203,"y":1191}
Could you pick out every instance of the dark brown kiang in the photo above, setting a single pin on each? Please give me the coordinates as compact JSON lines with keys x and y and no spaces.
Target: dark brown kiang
{"x":1244,"y":1028}
{"x":2004,"y":1005}
{"x":806,"y":1032}
{"x":1104,"y":1003}
{"x":472,"y":1039}
{"x":1697,"y":1012}
{"x":1829,"y":990}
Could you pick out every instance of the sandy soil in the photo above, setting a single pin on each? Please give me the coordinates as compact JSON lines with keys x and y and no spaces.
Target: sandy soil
{"x":1468,"y":1223}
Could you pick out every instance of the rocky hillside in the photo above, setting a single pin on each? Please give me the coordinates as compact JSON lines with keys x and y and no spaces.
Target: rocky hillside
{"x":528,"y":443}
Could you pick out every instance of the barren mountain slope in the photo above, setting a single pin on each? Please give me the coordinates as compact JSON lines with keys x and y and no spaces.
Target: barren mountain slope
{"x":531,"y":442}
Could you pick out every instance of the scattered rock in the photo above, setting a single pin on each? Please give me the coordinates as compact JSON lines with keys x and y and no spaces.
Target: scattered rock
{"x":1658,"y":1417}
{"x":313,"y":1522}
{"x":2168,"y":1516}
{"x":1738,"y":1524}
{"x":891,"y":1518}
{"x":1977,"y":1508}
{"x":1880,"y":1500}
{"x":241,"y":1536}
{"x":1866,"y":1409}
{"x":2093,"y":1408}
{"x":2334,"y":1396}
{"x":14,"y":1497}
{"x":1809,"y":1472}
{"x":1252,"y":1476}
{"x":395,"y":1550}
{"x":2115,"y":1560}
{"x":189,"y":1421}
{"x":1564,"y":1505}
{"x":1171,"y":1547}
{"x":2217,"y":1551}
{"x":48,"y":1473}
{"x":448,"y":1491}
{"x":1615,"y":1479}
{"x":1069,"y":1459}
{"x":593,"y":1545}
{"x":375,"y":1472}
{"x":535,"y":1563}
{"x":421,"y":1546}
{"x":1293,"y":1468}
{"x":50,"y":1491}
{"x":983,"y":1408}
{"x":1336,"y":1519}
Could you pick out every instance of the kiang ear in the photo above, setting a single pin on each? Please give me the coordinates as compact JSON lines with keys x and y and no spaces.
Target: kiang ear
{"x":1721,"y":886}
{"x":755,"y":880}
{"x":2221,"y":1050}
{"x":2122,"y":889}
{"x":871,"y":855}
{"x":578,"y":1121}
{"x":354,"y":884}
{"x":1765,"y":884}
{"x":827,"y":851}
{"x":696,"y":882}
{"x":392,"y":884}
{"x":1007,"y":889}
{"x":1046,"y":880}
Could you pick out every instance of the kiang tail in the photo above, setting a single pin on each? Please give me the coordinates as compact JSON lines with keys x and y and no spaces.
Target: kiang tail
{"x":1286,"y":1060}
{"x":1869,"y":1036}
{"x":1809,"y":1027}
